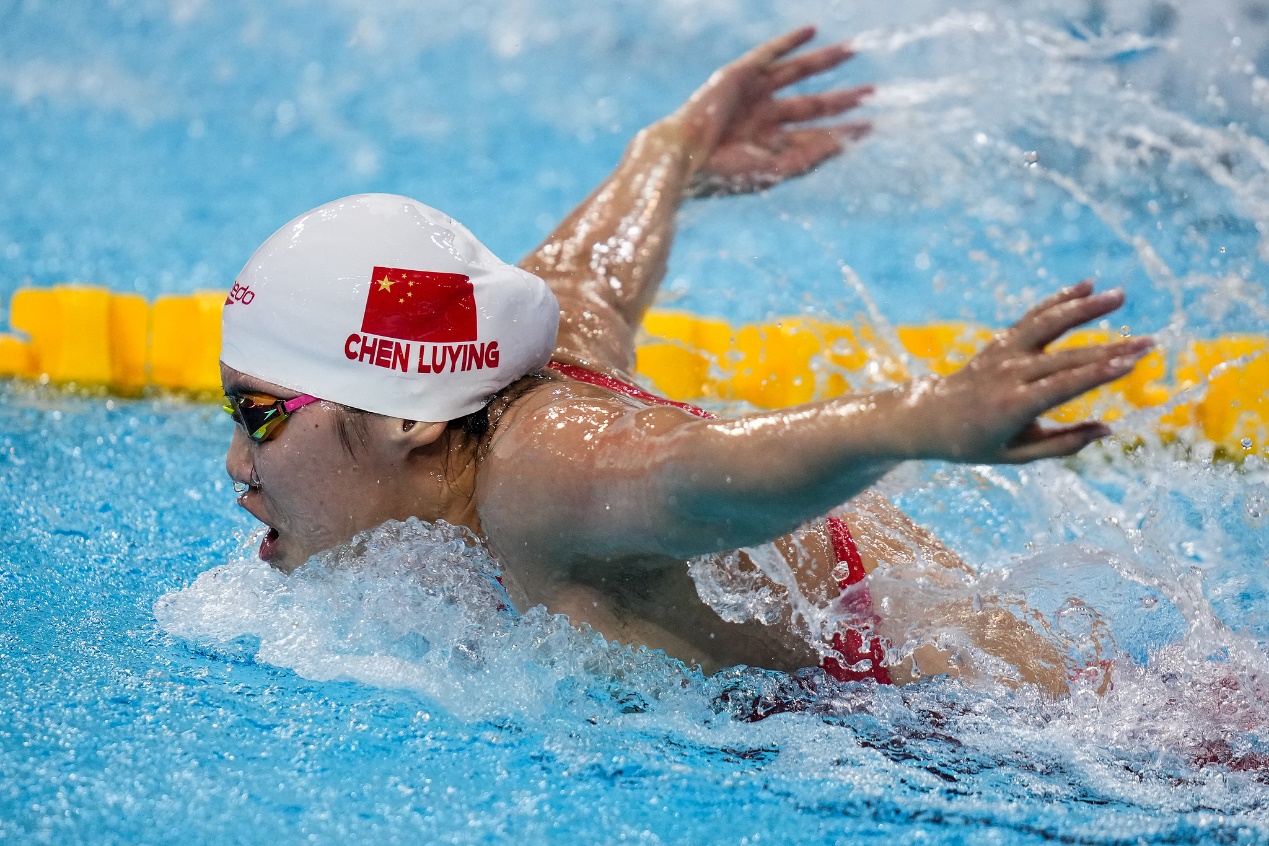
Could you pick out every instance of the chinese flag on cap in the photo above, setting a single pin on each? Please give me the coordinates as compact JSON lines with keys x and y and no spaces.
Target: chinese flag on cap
{"x":420,"y":305}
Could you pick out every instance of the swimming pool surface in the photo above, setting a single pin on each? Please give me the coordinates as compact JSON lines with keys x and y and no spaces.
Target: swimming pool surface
{"x":160,"y":685}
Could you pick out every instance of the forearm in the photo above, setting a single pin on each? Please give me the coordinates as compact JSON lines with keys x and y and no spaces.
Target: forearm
{"x":616,"y":242}
{"x":745,"y":481}
{"x":755,"y":477}
{"x":659,"y":481}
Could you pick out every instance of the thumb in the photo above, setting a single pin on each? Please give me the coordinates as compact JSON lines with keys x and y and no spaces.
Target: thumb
{"x":1036,"y":442}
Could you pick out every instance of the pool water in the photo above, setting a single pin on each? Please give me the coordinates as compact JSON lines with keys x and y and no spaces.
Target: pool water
{"x":161,"y":685}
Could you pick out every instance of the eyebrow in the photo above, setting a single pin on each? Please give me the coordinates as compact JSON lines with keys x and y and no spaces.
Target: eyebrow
{"x":239,"y":387}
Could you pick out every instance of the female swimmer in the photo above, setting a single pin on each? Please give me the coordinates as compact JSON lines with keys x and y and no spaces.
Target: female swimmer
{"x":382,"y":364}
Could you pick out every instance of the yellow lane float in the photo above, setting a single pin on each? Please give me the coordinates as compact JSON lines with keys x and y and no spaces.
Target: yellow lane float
{"x":89,"y":336}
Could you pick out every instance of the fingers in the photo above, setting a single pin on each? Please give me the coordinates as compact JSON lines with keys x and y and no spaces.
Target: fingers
{"x":805,"y":149}
{"x":1035,"y":442}
{"x":1046,"y":364}
{"x":1066,"y":385}
{"x":814,"y":106}
{"x":808,"y":64}
{"x":1054,"y":317}
{"x":851,"y":130}
{"x":1082,"y":288}
{"x":765,"y":54}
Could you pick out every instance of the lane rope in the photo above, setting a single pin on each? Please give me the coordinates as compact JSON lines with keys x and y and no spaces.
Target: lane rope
{"x":1216,"y":389}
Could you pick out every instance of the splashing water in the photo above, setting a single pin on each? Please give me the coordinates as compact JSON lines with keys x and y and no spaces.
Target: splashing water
{"x":414,"y":606}
{"x":417,"y":607}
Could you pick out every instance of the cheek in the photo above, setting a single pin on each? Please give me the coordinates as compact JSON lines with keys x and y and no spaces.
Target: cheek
{"x":305,"y":471}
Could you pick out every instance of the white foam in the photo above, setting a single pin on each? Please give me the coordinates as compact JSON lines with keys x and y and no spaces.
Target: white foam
{"x":412,"y":606}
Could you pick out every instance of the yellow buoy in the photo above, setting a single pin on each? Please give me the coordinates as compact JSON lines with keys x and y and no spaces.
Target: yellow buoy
{"x":129,"y":335}
{"x":69,"y":331}
{"x":17,"y":357}
{"x":185,"y":350}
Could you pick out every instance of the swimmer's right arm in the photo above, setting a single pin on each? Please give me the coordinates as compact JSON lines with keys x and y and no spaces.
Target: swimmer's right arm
{"x":734,"y":134}
{"x":605,"y":482}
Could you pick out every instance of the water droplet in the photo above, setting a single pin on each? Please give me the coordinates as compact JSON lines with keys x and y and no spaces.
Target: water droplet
{"x":1246,"y":442}
{"x":1124,"y":331}
{"x":1031,"y":158}
{"x":1222,"y":249}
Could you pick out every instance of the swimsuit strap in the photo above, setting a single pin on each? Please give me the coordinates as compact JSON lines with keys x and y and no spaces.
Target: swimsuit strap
{"x":846,"y":551}
{"x":850,"y":644}
{"x":617,"y":386}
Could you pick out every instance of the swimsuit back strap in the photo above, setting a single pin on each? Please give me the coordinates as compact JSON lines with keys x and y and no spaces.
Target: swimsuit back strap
{"x":617,"y":386}
{"x":846,"y":552}
{"x":860,"y":659}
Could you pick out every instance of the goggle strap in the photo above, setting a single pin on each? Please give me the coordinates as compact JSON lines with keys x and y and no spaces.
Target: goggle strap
{"x":295,"y":403}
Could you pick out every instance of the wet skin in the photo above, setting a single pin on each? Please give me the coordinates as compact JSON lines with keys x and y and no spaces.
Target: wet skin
{"x":592,"y":502}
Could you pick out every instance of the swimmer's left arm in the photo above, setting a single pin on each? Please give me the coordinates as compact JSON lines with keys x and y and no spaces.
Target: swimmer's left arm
{"x":608,"y":482}
{"x":765,"y":473}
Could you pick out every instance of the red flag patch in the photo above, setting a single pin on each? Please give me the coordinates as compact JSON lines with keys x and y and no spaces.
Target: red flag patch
{"x":420,"y":305}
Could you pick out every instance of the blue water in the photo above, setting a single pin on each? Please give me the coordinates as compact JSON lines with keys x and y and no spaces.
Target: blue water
{"x":159,"y":685}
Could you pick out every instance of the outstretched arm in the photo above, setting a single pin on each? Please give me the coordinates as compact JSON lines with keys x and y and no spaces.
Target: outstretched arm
{"x":624,"y":484}
{"x":606,"y":260}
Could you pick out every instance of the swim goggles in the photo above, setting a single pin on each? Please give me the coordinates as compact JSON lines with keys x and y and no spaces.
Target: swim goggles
{"x":260,"y":415}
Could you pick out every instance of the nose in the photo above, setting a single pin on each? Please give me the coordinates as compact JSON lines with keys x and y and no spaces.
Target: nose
{"x":239,"y":463}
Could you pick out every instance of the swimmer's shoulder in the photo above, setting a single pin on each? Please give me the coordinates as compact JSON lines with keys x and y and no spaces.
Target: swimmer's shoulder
{"x":555,"y":393}
{"x":555,"y":454}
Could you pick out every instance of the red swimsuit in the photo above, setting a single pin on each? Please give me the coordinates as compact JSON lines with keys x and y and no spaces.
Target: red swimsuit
{"x":849,"y":644}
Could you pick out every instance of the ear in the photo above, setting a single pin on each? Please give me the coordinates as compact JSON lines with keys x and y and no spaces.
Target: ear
{"x":405,"y":436}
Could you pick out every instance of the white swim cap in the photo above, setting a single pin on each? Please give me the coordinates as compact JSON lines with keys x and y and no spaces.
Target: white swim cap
{"x":381,"y":303}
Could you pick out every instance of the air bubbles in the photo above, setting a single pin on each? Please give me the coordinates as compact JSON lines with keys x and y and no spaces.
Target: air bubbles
{"x":1125,"y":331}
{"x":1031,"y":158}
{"x":1222,"y":249}
{"x":1246,"y":443}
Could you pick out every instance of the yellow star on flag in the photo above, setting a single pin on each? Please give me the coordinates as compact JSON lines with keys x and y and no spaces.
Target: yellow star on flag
{"x":385,"y":284}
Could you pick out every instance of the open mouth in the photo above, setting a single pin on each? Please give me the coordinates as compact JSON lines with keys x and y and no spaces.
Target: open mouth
{"x":268,"y":546}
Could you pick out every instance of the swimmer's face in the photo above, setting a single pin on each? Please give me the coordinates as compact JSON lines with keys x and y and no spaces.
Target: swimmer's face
{"x":309,"y":489}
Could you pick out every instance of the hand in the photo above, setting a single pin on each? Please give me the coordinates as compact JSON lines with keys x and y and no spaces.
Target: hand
{"x":740,"y":132}
{"x":986,"y":411}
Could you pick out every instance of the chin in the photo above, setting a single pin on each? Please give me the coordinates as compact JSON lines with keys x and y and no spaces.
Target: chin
{"x":277,"y":553}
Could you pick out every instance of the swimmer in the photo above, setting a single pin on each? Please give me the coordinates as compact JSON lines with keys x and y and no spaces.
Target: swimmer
{"x":382,"y":364}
